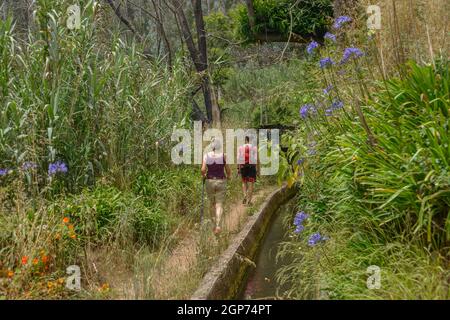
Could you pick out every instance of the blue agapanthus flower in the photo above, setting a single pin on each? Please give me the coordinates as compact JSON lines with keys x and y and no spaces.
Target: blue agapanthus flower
{"x":340,"y":21}
{"x":351,"y":53}
{"x":336,"y":105}
{"x":29,"y":165}
{"x":315,"y":239}
{"x":306,"y":110}
{"x":57,"y":167}
{"x":300,"y":161}
{"x":328,"y":112}
{"x":330,"y":36}
{"x":328,"y":89}
{"x":311,"y":47}
{"x":300,"y":217}
{"x":326,"y":62}
{"x":299,"y":229}
{"x":3,"y":172}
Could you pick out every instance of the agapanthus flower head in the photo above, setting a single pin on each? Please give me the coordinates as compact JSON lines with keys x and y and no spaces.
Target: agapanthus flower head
{"x":300,"y":161}
{"x":335,"y":105}
{"x":340,"y":21}
{"x":3,"y":172}
{"x":300,"y":217}
{"x":330,"y":36}
{"x":29,"y":165}
{"x":299,"y":229}
{"x":326,"y":62}
{"x":312,"y":46}
{"x":307,"y":110}
{"x":351,"y":53}
{"x":315,"y":238}
{"x":328,"y":112}
{"x":57,"y":167}
{"x":328,"y":89}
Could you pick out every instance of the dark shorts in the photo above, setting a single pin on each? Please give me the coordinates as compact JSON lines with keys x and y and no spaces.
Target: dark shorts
{"x":248,"y":172}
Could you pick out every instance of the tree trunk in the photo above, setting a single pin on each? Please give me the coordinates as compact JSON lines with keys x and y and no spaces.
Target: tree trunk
{"x":162,"y":31}
{"x":251,"y":15}
{"x":199,"y":56}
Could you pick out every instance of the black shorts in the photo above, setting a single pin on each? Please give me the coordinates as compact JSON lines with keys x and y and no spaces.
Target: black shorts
{"x":248,"y":172}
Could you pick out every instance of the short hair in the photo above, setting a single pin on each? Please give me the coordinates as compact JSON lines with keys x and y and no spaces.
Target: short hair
{"x":247,"y":139}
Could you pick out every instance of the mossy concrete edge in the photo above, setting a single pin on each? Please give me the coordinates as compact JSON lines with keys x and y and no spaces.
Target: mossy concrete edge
{"x":224,"y":279}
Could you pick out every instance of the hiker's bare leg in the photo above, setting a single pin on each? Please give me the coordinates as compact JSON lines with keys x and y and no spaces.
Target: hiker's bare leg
{"x":244,"y":190}
{"x":212,"y":212}
{"x":219,"y":212}
{"x":250,"y":192}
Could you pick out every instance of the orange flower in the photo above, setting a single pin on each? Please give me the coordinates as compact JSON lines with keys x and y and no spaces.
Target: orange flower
{"x":35,"y":261}
{"x":24,"y":260}
{"x":73,"y":236}
{"x":70,"y":226}
{"x":10,"y":274}
{"x":44,"y":259}
{"x":66,"y":220}
{"x":104,"y":287}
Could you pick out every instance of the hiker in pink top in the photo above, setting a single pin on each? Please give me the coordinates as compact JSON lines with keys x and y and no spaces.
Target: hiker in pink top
{"x":216,"y":171}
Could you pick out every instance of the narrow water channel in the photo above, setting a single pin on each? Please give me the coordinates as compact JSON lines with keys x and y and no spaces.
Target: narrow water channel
{"x":261,"y":282}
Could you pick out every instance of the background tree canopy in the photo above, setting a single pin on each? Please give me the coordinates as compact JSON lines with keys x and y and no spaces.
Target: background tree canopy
{"x":273,"y":17}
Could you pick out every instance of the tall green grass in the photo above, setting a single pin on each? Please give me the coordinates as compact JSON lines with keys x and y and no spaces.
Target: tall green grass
{"x":93,"y":101}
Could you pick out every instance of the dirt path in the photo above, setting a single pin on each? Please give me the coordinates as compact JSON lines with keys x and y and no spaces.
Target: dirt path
{"x":183,"y":268}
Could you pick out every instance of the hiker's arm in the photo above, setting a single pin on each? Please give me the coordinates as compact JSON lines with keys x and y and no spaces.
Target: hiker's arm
{"x":204,"y":168}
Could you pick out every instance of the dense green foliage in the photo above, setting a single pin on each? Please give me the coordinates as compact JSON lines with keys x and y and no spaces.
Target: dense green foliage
{"x":378,"y":205}
{"x":93,"y":109}
{"x":304,"y":18}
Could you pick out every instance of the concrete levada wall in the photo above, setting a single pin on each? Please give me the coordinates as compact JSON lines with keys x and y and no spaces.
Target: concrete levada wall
{"x":224,"y":280}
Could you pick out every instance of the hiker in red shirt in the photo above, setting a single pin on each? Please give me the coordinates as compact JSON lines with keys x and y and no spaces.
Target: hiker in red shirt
{"x":248,"y":165}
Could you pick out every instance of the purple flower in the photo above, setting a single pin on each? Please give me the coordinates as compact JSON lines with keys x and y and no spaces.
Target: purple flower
{"x":299,"y":229}
{"x":300,"y":161}
{"x":351,"y":53}
{"x":336,"y":105}
{"x":3,"y":172}
{"x":326,"y":62}
{"x":328,"y":89}
{"x":304,"y":111}
{"x":330,"y":36}
{"x":29,"y":165}
{"x":300,"y":217}
{"x":307,"y":110}
{"x":316,"y":238}
{"x":311,"y":47}
{"x":58,"y":166}
{"x":340,"y":21}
